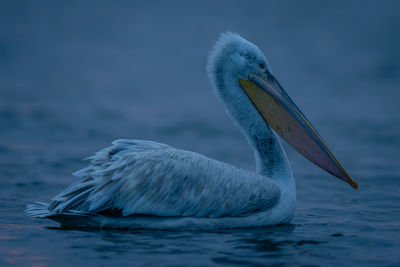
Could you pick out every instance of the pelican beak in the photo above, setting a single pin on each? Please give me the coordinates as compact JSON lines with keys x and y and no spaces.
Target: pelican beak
{"x":282,"y":114}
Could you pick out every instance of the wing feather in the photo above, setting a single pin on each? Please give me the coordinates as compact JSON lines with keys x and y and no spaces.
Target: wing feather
{"x":143,"y":177}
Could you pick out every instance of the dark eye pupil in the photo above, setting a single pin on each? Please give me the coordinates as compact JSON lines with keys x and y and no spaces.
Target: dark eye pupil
{"x":262,"y":65}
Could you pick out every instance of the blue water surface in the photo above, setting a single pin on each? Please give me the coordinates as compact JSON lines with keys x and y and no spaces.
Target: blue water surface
{"x":76,"y":75}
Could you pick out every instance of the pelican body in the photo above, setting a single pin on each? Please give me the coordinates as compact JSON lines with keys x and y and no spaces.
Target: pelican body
{"x":142,"y":184}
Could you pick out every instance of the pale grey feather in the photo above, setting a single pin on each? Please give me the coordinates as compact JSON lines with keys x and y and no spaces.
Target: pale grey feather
{"x":142,"y":177}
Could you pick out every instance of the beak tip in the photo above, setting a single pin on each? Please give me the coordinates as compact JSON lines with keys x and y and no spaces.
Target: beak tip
{"x":353,"y":184}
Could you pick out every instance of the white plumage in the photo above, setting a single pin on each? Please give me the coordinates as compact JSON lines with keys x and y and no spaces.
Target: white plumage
{"x":142,"y":177}
{"x":143,"y":184}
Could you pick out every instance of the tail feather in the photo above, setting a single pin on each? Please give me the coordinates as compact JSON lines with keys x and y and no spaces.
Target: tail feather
{"x":38,"y":210}
{"x":68,"y":219}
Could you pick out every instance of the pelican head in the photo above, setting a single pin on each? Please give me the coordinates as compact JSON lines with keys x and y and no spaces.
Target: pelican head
{"x":242,"y":78}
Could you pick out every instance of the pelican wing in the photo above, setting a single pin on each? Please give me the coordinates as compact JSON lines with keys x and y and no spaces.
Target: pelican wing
{"x":142,"y":177}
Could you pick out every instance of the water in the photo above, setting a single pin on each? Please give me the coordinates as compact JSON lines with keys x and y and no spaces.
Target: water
{"x":75,"y":76}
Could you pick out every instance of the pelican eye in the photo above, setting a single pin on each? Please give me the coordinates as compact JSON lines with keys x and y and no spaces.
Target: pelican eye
{"x":262,"y":66}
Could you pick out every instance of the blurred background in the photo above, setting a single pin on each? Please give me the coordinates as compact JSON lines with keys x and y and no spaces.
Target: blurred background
{"x":75,"y":75}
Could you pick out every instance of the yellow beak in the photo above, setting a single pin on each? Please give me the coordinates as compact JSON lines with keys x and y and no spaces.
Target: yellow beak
{"x":281,"y":113}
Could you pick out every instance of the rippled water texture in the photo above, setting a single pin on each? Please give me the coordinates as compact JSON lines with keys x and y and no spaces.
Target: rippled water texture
{"x":74,"y":76}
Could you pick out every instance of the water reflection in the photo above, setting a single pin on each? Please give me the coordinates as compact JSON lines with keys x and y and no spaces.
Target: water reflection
{"x":235,"y":246}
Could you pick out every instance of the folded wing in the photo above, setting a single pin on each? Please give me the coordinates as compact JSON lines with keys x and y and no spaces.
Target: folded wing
{"x":142,"y":177}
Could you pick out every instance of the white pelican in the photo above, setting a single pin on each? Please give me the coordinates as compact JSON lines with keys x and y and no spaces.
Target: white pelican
{"x":143,"y":184}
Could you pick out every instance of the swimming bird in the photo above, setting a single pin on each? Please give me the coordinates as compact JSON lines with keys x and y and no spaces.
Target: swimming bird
{"x":148,"y":185}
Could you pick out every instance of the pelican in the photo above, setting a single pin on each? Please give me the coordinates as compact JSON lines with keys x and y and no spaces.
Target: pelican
{"x":138,"y":184}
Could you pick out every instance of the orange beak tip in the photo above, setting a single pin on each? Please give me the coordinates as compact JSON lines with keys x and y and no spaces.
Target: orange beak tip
{"x":354,"y":184}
